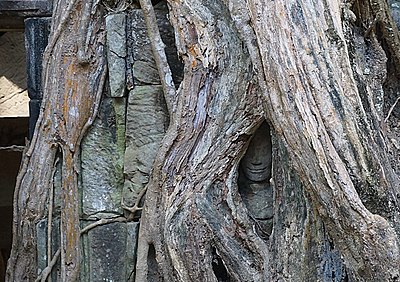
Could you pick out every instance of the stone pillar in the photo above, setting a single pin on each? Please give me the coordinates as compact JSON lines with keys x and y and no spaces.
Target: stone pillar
{"x":36,"y":37}
{"x":101,"y":170}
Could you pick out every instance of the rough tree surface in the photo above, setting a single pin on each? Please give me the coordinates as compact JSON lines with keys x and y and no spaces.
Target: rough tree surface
{"x":321,"y":76}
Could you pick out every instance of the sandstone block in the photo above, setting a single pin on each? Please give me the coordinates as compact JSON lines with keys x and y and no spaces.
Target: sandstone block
{"x":116,"y":53}
{"x":102,"y":174}
{"x":147,"y":121}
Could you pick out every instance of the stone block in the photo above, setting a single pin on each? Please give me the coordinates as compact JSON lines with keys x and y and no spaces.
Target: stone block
{"x":141,"y":49}
{"x":147,"y":121}
{"x":107,"y":252}
{"x":116,"y":53}
{"x":34,"y":110}
{"x":36,"y":37}
{"x":102,"y":173}
{"x":132,"y":229}
{"x":146,"y":73}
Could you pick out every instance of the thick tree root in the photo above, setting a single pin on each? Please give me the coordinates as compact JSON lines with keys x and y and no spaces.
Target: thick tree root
{"x":160,"y":57}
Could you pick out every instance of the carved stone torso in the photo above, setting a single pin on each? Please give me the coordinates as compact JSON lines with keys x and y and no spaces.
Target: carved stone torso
{"x":254,"y":176}
{"x":258,"y":198}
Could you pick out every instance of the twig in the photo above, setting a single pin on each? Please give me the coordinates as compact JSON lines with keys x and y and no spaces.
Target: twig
{"x":371,"y":27}
{"x":160,"y":57}
{"x":120,"y":7}
{"x":391,"y":109}
{"x":102,"y":221}
{"x":13,"y":148}
{"x":46,"y":272}
{"x":135,"y":207}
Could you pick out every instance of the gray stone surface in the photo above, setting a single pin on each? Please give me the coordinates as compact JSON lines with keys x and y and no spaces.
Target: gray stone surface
{"x":119,"y":105}
{"x":147,"y":121}
{"x":395,"y":8}
{"x":107,"y":252}
{"x":116,"y":53}
{"x":146,"y":73}
{"x":132,"y":229}
{"x":102,"y":173}
{"x":36,"y":36}
{"x":41,"y":231}
{"x":144,"y":63}
{"x":110,"y":251}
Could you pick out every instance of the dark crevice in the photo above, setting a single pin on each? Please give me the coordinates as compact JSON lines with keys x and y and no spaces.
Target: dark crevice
{"x":333,"y":266}
{"x":154,"y":274}
{"x":219,"y":268}
{"x":345,"y":277}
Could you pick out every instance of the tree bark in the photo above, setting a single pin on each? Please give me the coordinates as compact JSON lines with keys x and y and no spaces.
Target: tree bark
{"x":74,"y":68}
{"x":323,"y":75}
{"x":315,"y":106}
{"x":194,"y":175}
{"x":330,"y":129}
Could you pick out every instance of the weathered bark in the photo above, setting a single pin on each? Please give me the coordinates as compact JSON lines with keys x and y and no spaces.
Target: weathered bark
{"x":323,"y":75}
{"x":72,"y":89}
{"x":315,"y":105}
{"x":192,"y":208}
{"x":331,"y":131}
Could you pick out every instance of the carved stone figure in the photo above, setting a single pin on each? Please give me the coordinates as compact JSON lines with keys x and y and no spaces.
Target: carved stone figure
{"x":254,"y":176}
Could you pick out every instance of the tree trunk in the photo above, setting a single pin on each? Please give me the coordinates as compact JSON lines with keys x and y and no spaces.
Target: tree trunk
{"x":192,"y":207}
{"x":328,"y":131}
{"x":332,"y":138}
{"x":310,"y":87}
{"x":74,"y":72}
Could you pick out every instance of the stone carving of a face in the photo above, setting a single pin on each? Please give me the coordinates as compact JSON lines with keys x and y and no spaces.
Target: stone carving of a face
{"x":256,"y":163}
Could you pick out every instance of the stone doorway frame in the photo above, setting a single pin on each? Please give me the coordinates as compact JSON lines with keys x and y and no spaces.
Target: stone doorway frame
{"x":33,"y":18}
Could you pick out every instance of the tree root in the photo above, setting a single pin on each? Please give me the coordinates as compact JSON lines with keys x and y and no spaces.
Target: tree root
{"x":102,"y":221}
{"x":391,"y":109}
{"x":13,"y":148}
{"x":160,"y":57}
{"x":135,"y":207}
{"x":46,"y":272}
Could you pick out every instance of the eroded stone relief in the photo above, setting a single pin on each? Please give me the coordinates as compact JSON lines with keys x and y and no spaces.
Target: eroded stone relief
{"x":254,"y":177}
